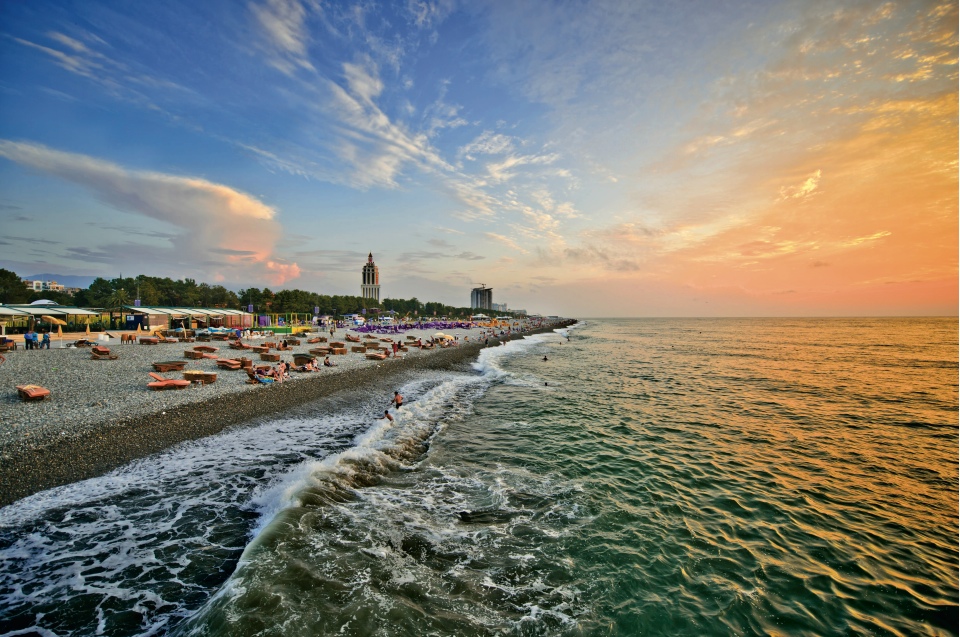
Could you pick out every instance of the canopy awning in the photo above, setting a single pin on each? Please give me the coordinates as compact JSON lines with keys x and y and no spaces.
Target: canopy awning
{"x":9,"y":311}
{"x":184,"y":312}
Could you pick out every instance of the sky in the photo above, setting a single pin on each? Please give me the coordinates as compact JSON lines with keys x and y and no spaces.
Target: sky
{"x":583,"y":158}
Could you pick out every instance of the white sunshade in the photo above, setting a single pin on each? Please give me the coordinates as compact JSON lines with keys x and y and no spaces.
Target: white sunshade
{"x":182,"y":312}
{"x":9,"y":311}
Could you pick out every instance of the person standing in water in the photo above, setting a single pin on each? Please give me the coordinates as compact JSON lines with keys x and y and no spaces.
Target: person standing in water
{"x":397,"y":400}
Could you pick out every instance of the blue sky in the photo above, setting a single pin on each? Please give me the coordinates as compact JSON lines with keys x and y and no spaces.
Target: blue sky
{"x":583,"y":158}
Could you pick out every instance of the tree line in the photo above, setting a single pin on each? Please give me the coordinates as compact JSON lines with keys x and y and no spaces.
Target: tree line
{"x":114,"y":293}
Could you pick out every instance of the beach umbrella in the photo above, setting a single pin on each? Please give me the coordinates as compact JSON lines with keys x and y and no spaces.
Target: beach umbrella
{"x":88,"y":329}
{"x":59,"y":334}
{"x":138,"y":328}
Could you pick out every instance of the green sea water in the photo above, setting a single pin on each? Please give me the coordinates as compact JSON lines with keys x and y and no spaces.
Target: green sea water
{"x":650,"y":477}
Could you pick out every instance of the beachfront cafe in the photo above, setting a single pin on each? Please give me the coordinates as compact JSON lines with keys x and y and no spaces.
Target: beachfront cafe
{"x":149,"y":318}
{"x":44,"y":315}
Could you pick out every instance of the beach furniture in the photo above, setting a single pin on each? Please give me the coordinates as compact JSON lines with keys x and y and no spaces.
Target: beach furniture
{"x":337,"y":345}
{"x":320,"y":351}
{"x":302,"y":359}
{"x":192,"y":354}
{"x":358,"y":349}
{"x":199,"y":376}
{"x":149,"y":340}
{"x":163,"y":339}
{"x":353,"y":339}
{"x":32,"y":392}
{"x":338,"y":351}
{"x":161,"y":383}
{"x":103,"y":354}
{"x":170,"y":366}
{"x":209,"y":349}
{"x":273,"y":358}
{"x":377,"y":357}
{"x":228,"y":363}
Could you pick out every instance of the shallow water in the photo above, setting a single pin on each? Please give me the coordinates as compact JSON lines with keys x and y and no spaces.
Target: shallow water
{"x":651,"y":477}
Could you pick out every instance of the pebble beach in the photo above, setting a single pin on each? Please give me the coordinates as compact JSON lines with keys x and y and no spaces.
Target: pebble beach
{"x":100,"y":413}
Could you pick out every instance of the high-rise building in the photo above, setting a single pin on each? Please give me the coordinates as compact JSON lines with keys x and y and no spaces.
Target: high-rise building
{"x":481,"y":298}
{"x":370,"y":288}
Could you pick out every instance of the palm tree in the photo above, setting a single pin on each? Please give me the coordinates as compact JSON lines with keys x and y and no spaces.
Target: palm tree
{"x":116,"y":301}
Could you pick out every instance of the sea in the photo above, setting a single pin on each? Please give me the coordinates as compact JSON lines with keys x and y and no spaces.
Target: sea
{"x":618,"y":477}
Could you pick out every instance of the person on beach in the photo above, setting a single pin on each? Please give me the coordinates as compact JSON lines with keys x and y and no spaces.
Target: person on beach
{"x":45,"y":342}
{"x":397,"y":399}
{"x":328,"y":363}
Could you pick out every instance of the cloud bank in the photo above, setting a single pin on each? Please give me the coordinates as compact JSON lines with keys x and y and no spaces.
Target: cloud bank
{"x":220,"y":228}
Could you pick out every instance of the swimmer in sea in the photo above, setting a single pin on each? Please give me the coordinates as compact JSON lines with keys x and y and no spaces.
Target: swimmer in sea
{"x":397,"y":399}
{"x":386,"y":414}
{"x":544,"y":358}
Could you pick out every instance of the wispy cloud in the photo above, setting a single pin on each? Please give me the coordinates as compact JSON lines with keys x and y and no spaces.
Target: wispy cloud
{"x":284,"y":23}
{"x":510,"y":243}
{"x":210,"y":216}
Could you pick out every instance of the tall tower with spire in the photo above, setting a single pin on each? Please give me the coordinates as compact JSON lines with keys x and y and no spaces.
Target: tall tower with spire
{"x":370,"y":287}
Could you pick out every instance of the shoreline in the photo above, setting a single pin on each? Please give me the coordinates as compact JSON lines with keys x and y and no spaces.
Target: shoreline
{"x":101,"y":446}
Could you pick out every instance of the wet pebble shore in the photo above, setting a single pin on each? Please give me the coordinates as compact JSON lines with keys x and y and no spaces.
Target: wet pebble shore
{"x":101,"y":414}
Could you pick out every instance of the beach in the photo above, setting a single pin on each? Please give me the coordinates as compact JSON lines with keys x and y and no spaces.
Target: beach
{"x":101,"y":414}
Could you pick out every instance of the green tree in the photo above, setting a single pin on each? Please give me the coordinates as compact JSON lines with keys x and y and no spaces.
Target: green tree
{"x":12,"y":289}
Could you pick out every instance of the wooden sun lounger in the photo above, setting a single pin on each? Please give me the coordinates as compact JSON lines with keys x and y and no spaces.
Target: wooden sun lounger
{"x":150,"y":340}
{"x":32,"y":392}
{"x":170,"y":366}
{"x":270,"y":357}
{"x":228,"y":363}
{"x":161,"y":383}
{"x":377,"y":357}
{"x":192,"y":354}
{"x":209,"y":349}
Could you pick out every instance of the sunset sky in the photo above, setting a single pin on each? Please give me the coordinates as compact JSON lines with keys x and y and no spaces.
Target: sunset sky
{"x":594,"y":158}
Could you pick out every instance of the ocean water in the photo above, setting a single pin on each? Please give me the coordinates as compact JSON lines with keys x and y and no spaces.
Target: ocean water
{"x":650,"y":477}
